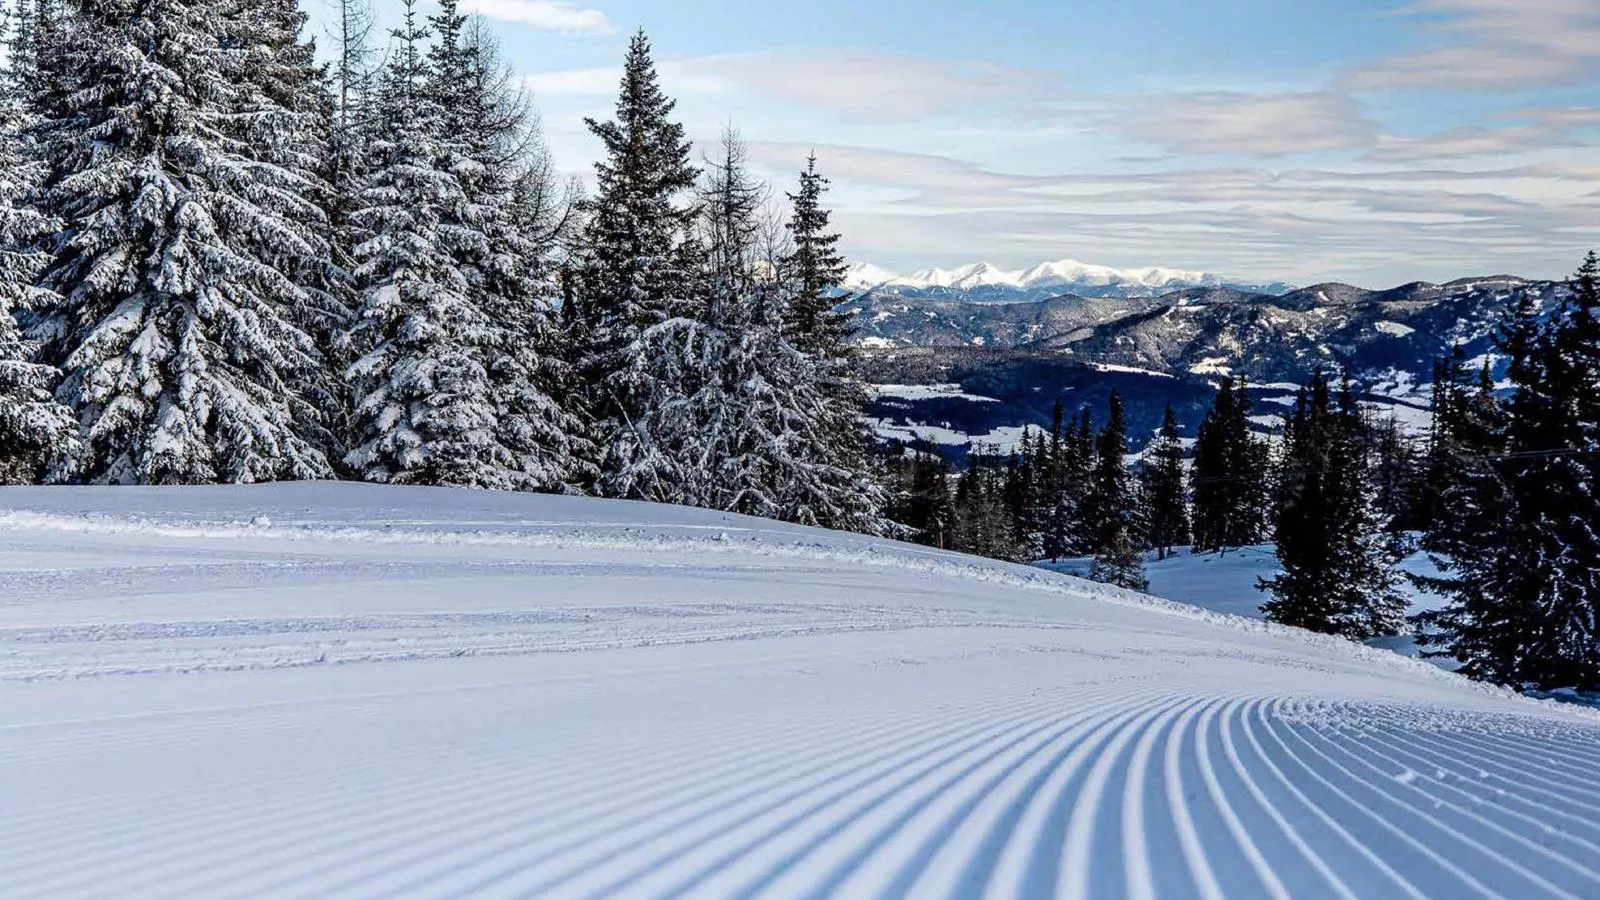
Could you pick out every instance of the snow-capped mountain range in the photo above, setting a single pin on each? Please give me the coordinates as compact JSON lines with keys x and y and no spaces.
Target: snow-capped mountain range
{"x":962,"y":371}
{"x":986,"y":282}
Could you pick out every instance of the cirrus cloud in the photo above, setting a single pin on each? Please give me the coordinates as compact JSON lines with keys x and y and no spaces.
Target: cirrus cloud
{"x":1229,"y":122}
{"x":548,"y":15}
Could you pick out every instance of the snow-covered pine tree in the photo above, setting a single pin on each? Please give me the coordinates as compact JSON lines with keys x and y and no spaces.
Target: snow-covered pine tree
{"x":1165,"y":489}
{"x":426,"y":412}
{"x":817,"y":270}
{"x":636,"y":268}
{"x":1078,"y":461}
{"x":1230,"y":475}
{"x":735,"y":417}
{"x":1055,"y":502}
{"x":504,"y":229}
{"x":284,"y":103}
{"x":1336,"y":558}
{"x":1367,"y":546}
{"x":1398,"y":477}
{"x":849,"y":497}
{"x":176,"y":319}
{"x":1115,"y":503}
{"x":1303,"y":592}
{"x":34,"y":57}
{"x":36,"y":432}
{"x":982,"y":525}
{"x":354,"y":77}
{"x":1555,"y":436}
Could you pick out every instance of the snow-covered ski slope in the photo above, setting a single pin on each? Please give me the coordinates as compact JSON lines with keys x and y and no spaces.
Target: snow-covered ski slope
{"x":339,"y":690}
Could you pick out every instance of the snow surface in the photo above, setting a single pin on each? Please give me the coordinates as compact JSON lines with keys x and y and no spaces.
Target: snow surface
{"x":1003,"y":439}
{"x":347,"y":690}
{"x":928,"y":392}
{"x":1226,"y":583}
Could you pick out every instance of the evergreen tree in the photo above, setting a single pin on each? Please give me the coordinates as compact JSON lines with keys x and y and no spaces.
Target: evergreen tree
{"x":1230,"y":475}
{"x":816,"y":269}
{"x":1165,"y":493}
{"x":921,"y":499}
{"x":284,"y":104}
{"x":426,"y":412}
{"x":1077,"y":467}
{"x":1055,"y":503}
{"x":1337,"y":564}
{"x":182,"y":244}
{"x":1399,"y":478}
{"x":1115,"y":504}
{"x":36,"y":433}
{"x":983,"y":526}
{"x":1524,"y":591}
{"x":505,"y":252}
{"x":636,"y":269}
{"x":849,"y":498}
{"x":733,"y":416}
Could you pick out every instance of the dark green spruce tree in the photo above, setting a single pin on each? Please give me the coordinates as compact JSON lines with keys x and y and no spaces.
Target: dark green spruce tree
{"x":1115,"y":505}
{"x":1230,"y":475}
{"x":1516,"y":534}
{"x":1165,"y":490}
{"x":1336,"y":559}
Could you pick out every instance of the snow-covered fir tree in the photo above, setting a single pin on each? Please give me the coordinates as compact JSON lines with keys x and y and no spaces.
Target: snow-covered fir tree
{"x":1230,"y":475}
{"x":1333,"y":546}
{"x":505,"y":229}
{"x":734,"y":416}
{"x":1165,"y":490}
{"x":1515,"y":530}
{"x":843,"y":491}
{"x":1115,"y":503}
{"x":36,"y":432}
{"x":178,"y":262}
{"x":637,"y":267}
{"x":285,"y":102}
{"x":426,"y":413}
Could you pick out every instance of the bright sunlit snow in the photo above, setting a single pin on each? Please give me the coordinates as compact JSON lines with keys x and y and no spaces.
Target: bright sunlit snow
{"x":341,"y":690}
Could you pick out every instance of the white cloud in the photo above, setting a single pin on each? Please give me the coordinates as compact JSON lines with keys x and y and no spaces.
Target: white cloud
{"x":1493,"y":44}
{"x":1227,"y":122}
{"x":1541,"y":129}
{"x":550,"y":15}
{"x":1366,"y":225}
{"x":880,"y":87}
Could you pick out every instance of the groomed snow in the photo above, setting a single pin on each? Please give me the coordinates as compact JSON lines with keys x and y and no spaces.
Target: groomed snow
{"x":343,"y":690}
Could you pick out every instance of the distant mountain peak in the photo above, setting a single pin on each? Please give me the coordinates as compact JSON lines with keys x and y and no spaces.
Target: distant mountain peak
{"x":986,"y":281}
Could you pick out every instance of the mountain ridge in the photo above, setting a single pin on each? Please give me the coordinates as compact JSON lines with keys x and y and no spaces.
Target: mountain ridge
{"x":985,"y":282}
{"x":1017,"y":358}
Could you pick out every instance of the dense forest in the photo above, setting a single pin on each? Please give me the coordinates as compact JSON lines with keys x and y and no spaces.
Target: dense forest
{"x":230,"y":256}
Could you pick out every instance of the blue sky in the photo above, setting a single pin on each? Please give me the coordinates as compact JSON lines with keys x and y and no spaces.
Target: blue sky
{"x":1368,"y":141}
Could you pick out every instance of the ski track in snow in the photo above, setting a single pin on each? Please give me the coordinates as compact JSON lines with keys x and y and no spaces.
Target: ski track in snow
{"x":578,"y":703}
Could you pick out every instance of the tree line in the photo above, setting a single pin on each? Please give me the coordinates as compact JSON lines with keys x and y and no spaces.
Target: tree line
{"x":224,"y":260}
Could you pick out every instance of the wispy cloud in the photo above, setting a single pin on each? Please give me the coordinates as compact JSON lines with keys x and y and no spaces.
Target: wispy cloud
{"x":1493,"y":44}
{"x":878,"y":87}
{"x":1540,"y":129}
{"x":1267,"y":124}
{"x":1372,"y":226}
{"x":550,"y":15}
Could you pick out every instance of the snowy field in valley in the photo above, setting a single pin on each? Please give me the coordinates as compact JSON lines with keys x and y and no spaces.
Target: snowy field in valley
{"x":1227,"y":583}
{"x":340,"y":690}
